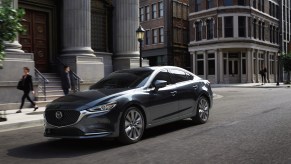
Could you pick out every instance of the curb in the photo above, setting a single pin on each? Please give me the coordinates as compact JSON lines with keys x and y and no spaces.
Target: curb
{"x":21,"y":125}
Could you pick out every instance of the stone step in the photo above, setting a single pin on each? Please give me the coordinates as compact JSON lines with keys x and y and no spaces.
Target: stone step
{"x":52,"y":92}
{"x":48,"y":97}
{"x":42,"y":103}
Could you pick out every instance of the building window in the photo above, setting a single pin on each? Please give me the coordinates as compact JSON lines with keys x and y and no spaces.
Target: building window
{"x":228,"y":2}
{"x":174,"y":9}
{"x":209,"y":4}
{"x":175,"y":33}
{"x":185,"y":12}
{"x":263,"y":30}
{"x":200,"y":65}
{"x":242,"y":26}
{"x":198,"y":5}
{"x":255,"y":4}
{"x":260,"y":30}
{"x":210,"y":29}
{"x":198,"y":31}
{"x":255,"y":28}
{"x":141,"y":14}
{"x":228,"y":27}
{"x":179,"y":7}
{"x":147,"y":12}
{"x":161,"y":35}
{"x":241,"y":2}
{"x":147,"y":37}
{"x":154,"y":11}
{"x":161,"y":9}
{"x":211,"y":64}
{"x":155,"y":36}
{"x":185,"y":36}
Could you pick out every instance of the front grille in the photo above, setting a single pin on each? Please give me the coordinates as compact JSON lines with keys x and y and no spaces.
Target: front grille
{"x":68,"y":117}
{"x":64,"y":132}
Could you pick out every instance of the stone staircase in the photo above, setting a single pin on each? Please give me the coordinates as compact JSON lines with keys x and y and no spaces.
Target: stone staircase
{"x":53,"y":89}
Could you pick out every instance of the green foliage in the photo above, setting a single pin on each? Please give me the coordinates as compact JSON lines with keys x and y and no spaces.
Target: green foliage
{"x":10,"y":24}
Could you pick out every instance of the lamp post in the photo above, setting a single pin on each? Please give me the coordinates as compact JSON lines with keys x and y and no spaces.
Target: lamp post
{"x":140,"y":37}
{"x":278,"y":68}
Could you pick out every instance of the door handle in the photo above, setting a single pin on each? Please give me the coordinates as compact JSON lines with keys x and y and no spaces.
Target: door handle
{"x":174,"y":93}
{"x":195,"y":87}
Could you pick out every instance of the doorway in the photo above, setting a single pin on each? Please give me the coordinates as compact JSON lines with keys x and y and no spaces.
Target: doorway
{"x":36,"y":38}
{"x":234,"y":68}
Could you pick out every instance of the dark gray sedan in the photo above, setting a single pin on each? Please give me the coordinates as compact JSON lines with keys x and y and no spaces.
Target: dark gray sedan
{"x":127,"y":102}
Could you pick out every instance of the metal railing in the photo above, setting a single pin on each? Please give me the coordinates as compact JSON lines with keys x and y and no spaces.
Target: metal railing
{"x":77,"y":79}
{"x":42,"y":81}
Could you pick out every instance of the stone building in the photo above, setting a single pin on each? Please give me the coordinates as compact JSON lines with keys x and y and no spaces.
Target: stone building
{"x":93,"y":37}
{"x":232,"y":40}
{"x":167,"y":33}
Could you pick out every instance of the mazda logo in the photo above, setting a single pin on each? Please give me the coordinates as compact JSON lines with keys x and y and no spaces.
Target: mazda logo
{"x":59,"y":115}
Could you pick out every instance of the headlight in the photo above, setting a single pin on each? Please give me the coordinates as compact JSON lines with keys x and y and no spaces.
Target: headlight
{"x":102,"y":108}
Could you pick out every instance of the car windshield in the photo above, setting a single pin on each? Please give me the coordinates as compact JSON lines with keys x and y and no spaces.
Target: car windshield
{"x":124,"y":79}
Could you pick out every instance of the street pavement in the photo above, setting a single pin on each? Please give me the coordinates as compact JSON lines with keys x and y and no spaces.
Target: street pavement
{"x":247,"y":125}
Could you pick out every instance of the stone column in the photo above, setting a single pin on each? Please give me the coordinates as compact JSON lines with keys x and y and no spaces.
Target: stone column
{"x":125,"y":23}
{"x":205,"y":64}
{"x":221,"y":66}
{"x":216,"y":67}
{"x":77,"y":28}
{"x":77,"y":52}
{"x":15,"y":46}
{"x":250,"y":65}
{"x":194,"y":62}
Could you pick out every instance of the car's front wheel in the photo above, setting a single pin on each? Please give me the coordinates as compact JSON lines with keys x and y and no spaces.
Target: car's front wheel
{"x":202,"y":113}
{"x":131,"y":126}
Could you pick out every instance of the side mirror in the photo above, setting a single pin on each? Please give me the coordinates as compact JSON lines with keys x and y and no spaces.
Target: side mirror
{"x":160,"y":84}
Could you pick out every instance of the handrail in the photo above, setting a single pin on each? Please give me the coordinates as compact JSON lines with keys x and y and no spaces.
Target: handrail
{"x":42,"y":81}
{"x":75,"y":76}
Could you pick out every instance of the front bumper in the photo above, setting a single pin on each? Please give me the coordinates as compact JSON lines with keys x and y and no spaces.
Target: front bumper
{"x":88,"y":125}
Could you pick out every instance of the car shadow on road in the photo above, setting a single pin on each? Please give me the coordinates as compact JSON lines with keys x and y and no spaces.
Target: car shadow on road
{"x":59,"y":148}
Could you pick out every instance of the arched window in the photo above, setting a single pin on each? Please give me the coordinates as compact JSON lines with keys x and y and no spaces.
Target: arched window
{"x":210,"y":29}
{"x":198,"y":26}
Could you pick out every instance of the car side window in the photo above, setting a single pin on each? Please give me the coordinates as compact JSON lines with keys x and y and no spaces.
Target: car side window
{"x":163,"y":75}
{"x":179,"y":76}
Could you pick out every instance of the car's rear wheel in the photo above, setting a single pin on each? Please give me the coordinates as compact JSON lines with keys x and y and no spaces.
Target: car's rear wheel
{"x":202,"y":113}
{"x":131,"y":126}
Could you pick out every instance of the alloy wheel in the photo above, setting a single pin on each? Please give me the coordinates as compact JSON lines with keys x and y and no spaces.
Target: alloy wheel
{"x":133,"y":125}
{"x":203,"y":109}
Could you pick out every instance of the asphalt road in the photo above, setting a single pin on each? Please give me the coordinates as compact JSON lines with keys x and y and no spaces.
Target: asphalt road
{"x":246,"y":126}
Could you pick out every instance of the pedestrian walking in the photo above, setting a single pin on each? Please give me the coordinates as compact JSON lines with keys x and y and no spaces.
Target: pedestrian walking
{"x":67,"y":80}
{"x":263,"y":73}
{"x":25,"y":84}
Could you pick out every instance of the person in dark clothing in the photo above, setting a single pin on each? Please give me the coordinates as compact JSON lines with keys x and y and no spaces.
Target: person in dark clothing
{"x":67,"y":80}
{"x":263,"y":73}
{"x":27,"y":86}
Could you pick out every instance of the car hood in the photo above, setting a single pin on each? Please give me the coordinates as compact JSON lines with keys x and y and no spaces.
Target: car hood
{"x":83,"y":98}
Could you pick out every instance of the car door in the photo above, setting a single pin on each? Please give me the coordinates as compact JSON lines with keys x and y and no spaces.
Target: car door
{"x":163,"y":103}
{"x":187,"y":91}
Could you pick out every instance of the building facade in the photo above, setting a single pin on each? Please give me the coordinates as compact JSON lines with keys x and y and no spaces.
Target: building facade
{"x":93,"y":37}
{"x":167,"y":34}
{"x":232,"y":40}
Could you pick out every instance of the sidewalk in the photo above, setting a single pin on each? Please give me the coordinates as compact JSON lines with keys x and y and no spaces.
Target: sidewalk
{"x":251,"y":85}
{"x":26,"y":119}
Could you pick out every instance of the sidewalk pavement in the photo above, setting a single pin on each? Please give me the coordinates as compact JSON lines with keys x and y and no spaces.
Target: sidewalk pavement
{"x":26,"y":119}
{"x":251,"y":85}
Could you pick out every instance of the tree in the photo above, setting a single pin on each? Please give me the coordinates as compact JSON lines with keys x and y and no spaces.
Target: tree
{"x":10,"y":25}
{"x":286,"y":61}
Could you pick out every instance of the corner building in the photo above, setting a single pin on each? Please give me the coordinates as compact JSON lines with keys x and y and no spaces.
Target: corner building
{"x":232,"y":40}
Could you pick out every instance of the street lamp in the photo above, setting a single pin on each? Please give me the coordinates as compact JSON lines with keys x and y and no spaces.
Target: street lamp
{"x":278,"y":68}
{"x":140,"y":37}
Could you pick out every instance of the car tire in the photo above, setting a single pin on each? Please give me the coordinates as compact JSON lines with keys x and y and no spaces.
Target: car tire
{"x":132,"y":126}
{"x":202,"y":113}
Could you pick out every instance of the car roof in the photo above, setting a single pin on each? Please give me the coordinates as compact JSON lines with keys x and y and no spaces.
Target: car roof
{"x":153,"y":68}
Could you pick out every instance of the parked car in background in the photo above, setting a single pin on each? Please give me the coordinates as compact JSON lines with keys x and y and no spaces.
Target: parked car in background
{"x":127,"y":102}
